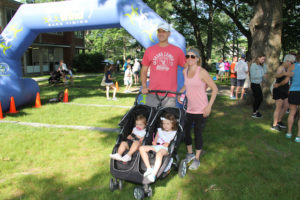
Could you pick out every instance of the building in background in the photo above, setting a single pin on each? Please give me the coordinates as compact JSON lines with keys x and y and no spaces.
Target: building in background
{"x":48,"y":48}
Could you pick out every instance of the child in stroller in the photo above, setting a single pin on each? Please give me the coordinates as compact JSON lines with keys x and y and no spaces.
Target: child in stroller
{"x":134,"y":140}
{"x":164,"y":136}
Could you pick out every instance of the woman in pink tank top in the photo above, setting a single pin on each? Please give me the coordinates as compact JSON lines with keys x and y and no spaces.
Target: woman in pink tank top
{"x":196,"y":80}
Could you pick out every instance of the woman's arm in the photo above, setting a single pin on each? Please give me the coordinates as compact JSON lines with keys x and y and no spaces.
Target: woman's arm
{"x":280,"y":72}
{"x":290,"y":73}
{"x":208,"y":80}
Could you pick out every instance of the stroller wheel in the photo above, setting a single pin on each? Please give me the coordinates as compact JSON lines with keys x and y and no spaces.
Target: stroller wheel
{"x":138,"y":193}
{"x":148,"y":190}
{"x":111,"y":185}
{"x":120,"y":184}
{"x":182,"y":168}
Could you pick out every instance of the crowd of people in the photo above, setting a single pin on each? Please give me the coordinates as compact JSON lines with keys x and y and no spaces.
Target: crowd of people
{"x":284,"y":89}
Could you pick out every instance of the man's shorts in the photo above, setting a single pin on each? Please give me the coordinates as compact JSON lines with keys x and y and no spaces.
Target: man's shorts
{"x":233,"y":81}
{"x":151,"y":100}
{"x":279,"y":94}
{"x":294,"y":97}
{"x":240,"y":82}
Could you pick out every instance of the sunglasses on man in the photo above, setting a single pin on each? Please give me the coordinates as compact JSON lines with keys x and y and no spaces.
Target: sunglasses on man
{"x":190,"y":56}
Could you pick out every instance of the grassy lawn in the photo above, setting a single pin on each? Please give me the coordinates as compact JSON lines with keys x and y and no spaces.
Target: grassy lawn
{"x":244,"y":159}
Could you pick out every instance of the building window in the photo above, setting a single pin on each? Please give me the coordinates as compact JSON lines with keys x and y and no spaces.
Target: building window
{"x":79,"y":34}
{"x":9,"y":14}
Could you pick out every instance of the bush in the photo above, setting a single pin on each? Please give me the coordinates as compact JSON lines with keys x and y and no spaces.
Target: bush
{"x":88,"y":62}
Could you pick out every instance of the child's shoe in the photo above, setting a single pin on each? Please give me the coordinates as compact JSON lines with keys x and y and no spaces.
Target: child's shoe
{"x":116,"y":156}
{"x":288,"y":135}
{"x":151,"y":177}
{"x":297,"y":139}
{"x":148,"y":172}
{"x":126,"y":158}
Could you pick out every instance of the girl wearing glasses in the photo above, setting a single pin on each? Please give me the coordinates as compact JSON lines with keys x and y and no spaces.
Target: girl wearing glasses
{"x":196,"y":80}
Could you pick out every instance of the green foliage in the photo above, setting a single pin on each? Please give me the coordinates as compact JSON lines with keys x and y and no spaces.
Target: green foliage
{"x":88,"y":62}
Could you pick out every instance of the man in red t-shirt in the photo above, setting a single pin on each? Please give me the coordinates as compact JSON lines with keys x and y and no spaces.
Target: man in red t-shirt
{"x":233,"y":78}
{"x":163,"y":60}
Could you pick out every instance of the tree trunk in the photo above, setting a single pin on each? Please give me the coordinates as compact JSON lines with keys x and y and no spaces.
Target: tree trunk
{"x":209,"y":31}
{"x":266,"y":28}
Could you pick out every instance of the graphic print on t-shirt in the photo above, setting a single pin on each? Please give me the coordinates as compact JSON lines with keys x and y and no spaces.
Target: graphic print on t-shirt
{"x":163,"y":61}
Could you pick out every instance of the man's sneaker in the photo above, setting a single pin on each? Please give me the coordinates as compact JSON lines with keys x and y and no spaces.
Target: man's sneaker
{"x":276,"y":128}
{"x":114,"y":99}
{"x":297,"y":139}
{"x":151,"y":177}
{"x":148,"y":172}
{"x":288,"y":135}
{"x":195,"y":165}
{"x":256,"y":115}
{"x":189,"y":157}
{"x":232,"y":97}
{"x":115,"y":156}
{"x":281,"y":125}
{"x":126,"y":158}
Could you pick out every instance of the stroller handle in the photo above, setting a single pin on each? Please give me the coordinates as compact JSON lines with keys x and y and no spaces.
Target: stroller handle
{"x":166,"y":92}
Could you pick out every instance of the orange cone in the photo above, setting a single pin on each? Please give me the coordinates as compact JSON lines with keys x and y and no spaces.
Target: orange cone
{"x":12,"y":107}
{"x":38,"y":101}
{"x":117,"y":85}
{"x":66,"y":94}
{"x":1,"y":114}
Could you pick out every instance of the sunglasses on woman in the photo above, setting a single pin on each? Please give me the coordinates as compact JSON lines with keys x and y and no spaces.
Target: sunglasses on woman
{"x":190,"y":56}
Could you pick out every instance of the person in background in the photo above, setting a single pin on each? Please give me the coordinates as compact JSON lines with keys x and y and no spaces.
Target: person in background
{"x":62,"y":68}
{"x":217,"y":70}
{"x":227,"y":69}
{"x":221,"y":70}
{"x":136,"y":71}
{"x":233,"y":79}
{"x":128,"y":78}
{"x":294,"y":96}
{"x":280,"y":94}
{"x":109,"y":81}
{"x":257,"y":74}
{"x":241,"y":69}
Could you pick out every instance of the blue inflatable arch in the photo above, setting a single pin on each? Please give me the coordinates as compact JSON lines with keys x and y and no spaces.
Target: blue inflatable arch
{"x":32,"y":19}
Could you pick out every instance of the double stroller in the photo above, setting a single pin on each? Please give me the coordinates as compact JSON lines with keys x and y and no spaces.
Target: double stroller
{"x":133,"y":170}
{"x":55,"y":77}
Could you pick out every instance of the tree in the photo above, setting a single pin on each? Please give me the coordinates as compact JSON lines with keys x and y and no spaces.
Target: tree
{"x":266,"y":29}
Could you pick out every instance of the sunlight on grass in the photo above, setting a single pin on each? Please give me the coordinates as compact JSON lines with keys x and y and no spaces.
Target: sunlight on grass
{"x":243,"y":158}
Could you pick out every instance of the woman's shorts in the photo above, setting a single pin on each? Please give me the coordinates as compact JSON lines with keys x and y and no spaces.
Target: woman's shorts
{"x":279,"y":94}
{"x":294,"y":97}
{"x":109,"y":84}
{"x":233,"y":81}
{"x":159,"y":147}
{"x":226,"y":70}
{"x":240,"y":82}
{"x":136,"y":72}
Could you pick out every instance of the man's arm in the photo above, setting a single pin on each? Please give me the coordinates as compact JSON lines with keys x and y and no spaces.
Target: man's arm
{"x":144,"y":71}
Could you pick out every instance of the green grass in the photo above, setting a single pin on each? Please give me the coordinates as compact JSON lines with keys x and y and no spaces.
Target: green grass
{"x":244,"y":159}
